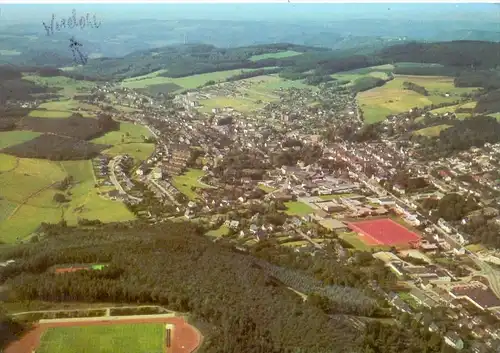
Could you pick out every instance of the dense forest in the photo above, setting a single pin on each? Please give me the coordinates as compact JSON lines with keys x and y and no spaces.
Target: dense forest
{"x":224,"y":289}
{"x":462,"y":135}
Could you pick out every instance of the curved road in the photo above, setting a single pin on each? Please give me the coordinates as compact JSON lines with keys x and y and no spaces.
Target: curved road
{"x":114,"y":180}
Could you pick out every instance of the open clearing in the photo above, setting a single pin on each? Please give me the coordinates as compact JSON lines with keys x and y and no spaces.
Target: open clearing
{"x":11,"y":138}
{"x":189,"y":180}
{"x":217,"y":233}
{"x":392,"y":98}
{"x":432,"y":131}
{"x":297,"y":208}
{"x":278,"y":55}
{"x":103,"y":339}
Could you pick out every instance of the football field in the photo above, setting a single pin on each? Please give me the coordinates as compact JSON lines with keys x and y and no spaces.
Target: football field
{"x":120,"y":338}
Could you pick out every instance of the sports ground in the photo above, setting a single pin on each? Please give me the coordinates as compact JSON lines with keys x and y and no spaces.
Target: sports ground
{"x":112,"y":334}
{"x":383,"y":232}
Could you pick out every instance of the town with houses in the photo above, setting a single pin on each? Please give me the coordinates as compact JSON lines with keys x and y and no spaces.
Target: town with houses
{"x":278,"y":174}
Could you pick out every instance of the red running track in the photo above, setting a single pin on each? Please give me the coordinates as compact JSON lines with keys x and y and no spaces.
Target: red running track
{"x":384,"y":232}
{"x":185,"y":338}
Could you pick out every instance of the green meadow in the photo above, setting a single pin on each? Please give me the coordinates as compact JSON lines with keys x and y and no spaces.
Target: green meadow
{"x":392,"y":98}
{"x":129,"y":139}
{"x":119,"y":338}
{"x":11,"y":138}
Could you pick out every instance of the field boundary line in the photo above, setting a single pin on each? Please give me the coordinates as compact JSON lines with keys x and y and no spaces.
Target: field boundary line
{"x":25,"y":201}
{"x":13,"y":168}
{"x":108,"y":318}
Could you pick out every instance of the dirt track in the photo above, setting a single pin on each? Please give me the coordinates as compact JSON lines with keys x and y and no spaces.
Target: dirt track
{"x":186,"y":338}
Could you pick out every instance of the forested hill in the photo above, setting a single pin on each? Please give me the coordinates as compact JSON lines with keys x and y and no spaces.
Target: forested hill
{"x":224,"y":289}
{"x":472,"y":54}
{"x":299,"y":61}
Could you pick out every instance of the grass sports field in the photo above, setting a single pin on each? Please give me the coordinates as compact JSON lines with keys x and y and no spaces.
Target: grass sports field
{"x":120,"y":338}
{"x":296,"y":208}
{"x":392,"y":98}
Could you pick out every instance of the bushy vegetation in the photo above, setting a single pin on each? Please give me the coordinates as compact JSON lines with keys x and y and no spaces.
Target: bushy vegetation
{"x":10,"y":330}
{"x":366,"y":83}
{"x":414,"y":87}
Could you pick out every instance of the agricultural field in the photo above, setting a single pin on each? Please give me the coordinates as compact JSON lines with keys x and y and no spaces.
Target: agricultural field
{"x":64,"y":109}
{"x":138,"y":151}
{"x":278,"y":55}
{"x":392,"y":98}
{"x":85,"y":199}
{"x":27,"y":198}
{"x":252,"y":93}
{"x":186,"y":181}
{"x":432,"y":131}
{"x":7,"y":162}
{"x":11,"y":138}
{"x":178,"y":84}
{"x":67,"y":87}
{"x":129,"y":139}
{"x":381,"y":71}
{"x":54,"y":114}
{"x":296,"y":208}
{"x":118,"y":338}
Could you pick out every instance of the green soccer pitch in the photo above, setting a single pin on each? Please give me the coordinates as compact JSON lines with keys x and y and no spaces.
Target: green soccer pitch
{"x":119,"y":338}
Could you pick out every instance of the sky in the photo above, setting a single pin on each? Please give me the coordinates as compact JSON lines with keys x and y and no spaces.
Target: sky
{"x":276,"y":11}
